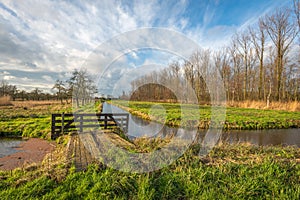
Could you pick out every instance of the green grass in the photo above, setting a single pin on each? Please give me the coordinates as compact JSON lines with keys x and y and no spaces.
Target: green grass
{"x":34,"y":121}
{"x":236,"y":118}
{"x":31,"y":122}
{"x":228,"y":172}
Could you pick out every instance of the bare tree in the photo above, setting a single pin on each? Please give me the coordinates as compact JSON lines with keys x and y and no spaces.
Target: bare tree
{"x":200,"y":61}
{"x":282,"y":33}
{"x":221,"y":61}
{"x":189,"y":75}
{"x":297,"y":11}
{"x":236,"y":63}
{"x":245,"y":50}
{"x":82,"y":86}
{"x":36,"y":94}
{"x":4,"y":88}
{"x":61,"y":90}
{"x":258,"y":38}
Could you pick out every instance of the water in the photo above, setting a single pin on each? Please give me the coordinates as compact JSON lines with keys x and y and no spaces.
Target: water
{"x":139,"y":127}
{"x":265,"y":137}
{"x":8,"y":146}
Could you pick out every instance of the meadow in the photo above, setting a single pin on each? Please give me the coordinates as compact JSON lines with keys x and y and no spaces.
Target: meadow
{"x":33,"y":118}
{"x":29,"y":118}
{"x":200,"y":116}
{"x":228,"y":172}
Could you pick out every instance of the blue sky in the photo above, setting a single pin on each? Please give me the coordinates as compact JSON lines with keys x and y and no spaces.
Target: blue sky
{"x":41,"y":41}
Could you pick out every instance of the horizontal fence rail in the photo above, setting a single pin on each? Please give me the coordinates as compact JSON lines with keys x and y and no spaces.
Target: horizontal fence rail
{"x":67,"y":122}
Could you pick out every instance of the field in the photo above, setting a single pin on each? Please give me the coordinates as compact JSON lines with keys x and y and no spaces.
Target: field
{"x":33,"y":118}
{"x":29,"y":118}
{"x":236,"y":118}
{"x":240,"y":171}
{"x":228,"y":172}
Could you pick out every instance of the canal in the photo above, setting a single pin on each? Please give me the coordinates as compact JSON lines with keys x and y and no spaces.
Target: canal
{"x":139,"y":127}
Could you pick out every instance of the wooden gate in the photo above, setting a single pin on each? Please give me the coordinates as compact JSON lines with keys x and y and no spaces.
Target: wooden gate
{"x":67,"y":122}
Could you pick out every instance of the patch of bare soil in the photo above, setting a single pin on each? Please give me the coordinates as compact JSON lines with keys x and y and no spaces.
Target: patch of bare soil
{"x":31,"y":151}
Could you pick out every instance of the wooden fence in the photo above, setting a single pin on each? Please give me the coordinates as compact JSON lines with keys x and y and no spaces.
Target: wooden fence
{"x":67,"y":122}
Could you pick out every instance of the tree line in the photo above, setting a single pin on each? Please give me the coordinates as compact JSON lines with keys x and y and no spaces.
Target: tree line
{"x":79,"y":88}
{"x":260,"y":63}
{"x":12,"y":91}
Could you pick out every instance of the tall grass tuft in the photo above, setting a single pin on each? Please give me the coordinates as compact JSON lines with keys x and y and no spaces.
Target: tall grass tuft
{"x":5,"y":101}
{"x":287,"y":106}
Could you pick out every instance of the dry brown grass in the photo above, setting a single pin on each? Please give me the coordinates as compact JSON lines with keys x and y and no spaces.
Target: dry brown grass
{"x":31,"y":104}
{"x":5,"y":101}
{"x":288,"y":106}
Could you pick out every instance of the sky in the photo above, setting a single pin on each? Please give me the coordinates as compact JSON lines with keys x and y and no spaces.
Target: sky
{"x":42,"y":41}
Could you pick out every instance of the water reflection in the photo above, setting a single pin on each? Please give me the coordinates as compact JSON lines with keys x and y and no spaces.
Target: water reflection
{"x":7,"y":146}
{"x":264,"y":137}
{"x":139,"y":127}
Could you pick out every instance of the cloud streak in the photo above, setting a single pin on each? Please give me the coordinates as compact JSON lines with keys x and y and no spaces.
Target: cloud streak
{"x":50,"y":38}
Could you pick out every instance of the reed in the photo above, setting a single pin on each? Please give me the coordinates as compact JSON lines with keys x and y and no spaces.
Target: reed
{"x":5,"y":101}
{"x":287,"y":106}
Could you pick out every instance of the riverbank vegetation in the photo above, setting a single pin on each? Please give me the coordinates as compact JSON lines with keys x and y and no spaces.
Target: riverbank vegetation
{"x":227,"y":172}
{"x":236,"y":118}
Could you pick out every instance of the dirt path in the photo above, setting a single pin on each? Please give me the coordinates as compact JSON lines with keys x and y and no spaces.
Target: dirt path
{"x":31,"y":151}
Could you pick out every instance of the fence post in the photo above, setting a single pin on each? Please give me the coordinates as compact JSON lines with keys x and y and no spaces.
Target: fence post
{"x":122,"y":125}
{"x":105,"y":122}
{"x":62,"y":123}
{"x":52,"y":126}
{"x":81,"y":123}
{"x":127,"y":122}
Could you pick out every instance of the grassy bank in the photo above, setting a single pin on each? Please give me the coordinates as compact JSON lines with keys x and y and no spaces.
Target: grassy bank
{"x":236,"y":118}
{"x":29,"y":119}
{"x":228,"y":172}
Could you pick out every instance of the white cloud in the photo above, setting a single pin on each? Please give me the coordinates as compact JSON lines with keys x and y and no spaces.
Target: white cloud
{"x":4,"y":73}
{"x":25,"y":79}
{"x":8,"y":77}
{"x":48,"y":78}
{"x":53,"y":36}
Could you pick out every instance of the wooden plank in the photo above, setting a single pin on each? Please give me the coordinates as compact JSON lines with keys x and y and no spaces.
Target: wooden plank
{"x":59,"y":127}
{"x":85,"y":125}
{"x":90,"y":126}
{"x":59,"y":114}
{"x":55,"y":115}
{"x":97,"y":120}
{"x":89,"y":114}
{"x":65,"y":120}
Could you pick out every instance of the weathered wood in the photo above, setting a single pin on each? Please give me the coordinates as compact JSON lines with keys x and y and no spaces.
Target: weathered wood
{"x":62,"y":123}
{"x":53,"y":136}
{"x":81,"y":124}
{"x":66,"y":122}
